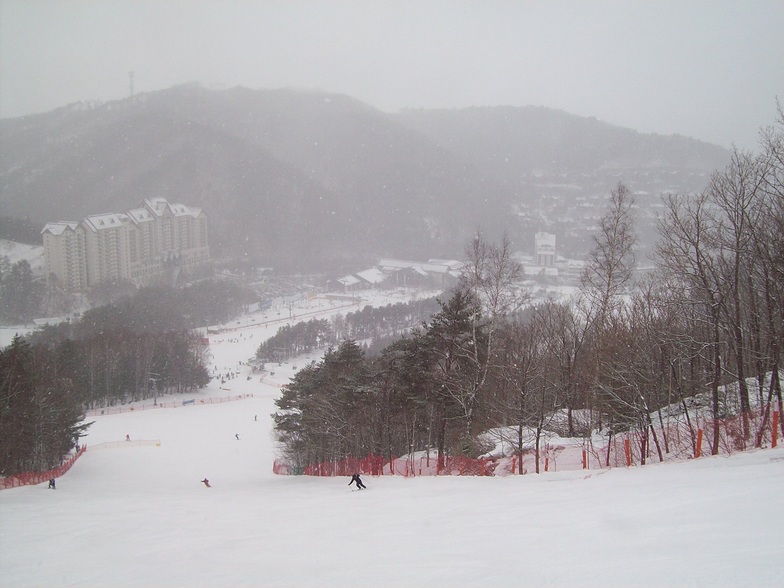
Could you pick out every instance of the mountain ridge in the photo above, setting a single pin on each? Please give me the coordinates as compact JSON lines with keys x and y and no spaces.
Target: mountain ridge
{"x":315,"y":179}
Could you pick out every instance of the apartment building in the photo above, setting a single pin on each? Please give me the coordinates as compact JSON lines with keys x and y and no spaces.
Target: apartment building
{"x":545,"y":249}
{"x":153,"y":243}
{"x":64,"y":254}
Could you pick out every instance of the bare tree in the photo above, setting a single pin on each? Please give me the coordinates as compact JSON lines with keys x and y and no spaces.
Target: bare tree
{"x":685,"y":250}
{"x":607,"y":275}
{"x":487,"y":295}
{"x":564,"y":333}
{"x":611,"y":261}
{"x":768,"y":281}
{"x":493,"y":275}
{"x":521,"y":355}
{"x":734,"y":192}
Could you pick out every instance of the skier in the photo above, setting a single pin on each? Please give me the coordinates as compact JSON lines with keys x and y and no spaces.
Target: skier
{"x":52,"y":485}
{"x":355,"y":479}
{"x":237,"y":435}
{"x":206,"y":482}
{"x":128,"y":437}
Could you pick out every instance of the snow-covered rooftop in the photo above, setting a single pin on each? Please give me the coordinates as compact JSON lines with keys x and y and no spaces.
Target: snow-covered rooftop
{"x":427,"y":267}
{"x":349,"y":280}
{"x":58,"y":228}
{"x":101,"y":222}
{"x":139,"y":215}
{"x":372,"y":275}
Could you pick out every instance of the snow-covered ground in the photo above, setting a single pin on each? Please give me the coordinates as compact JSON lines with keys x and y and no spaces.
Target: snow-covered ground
{"x":137,"y":514}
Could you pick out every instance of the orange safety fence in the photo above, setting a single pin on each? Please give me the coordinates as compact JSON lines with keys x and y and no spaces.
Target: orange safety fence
{"x":674,"y":441}
{"x":29,"y":478}
{"x":681,"y":440}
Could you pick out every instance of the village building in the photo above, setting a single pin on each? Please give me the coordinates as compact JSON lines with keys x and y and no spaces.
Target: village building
{"x":398,"y":273}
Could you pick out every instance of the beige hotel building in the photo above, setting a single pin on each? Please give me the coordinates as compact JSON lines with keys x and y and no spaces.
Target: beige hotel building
{"x":153,"y":243}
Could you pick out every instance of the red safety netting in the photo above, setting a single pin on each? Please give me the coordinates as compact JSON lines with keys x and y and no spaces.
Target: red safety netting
{"x":376,"y":465}
{"x":38,"y":477}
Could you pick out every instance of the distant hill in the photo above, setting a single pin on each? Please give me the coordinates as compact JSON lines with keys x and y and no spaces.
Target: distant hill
{"x":319,"y":180}
{"x":516,"y":143}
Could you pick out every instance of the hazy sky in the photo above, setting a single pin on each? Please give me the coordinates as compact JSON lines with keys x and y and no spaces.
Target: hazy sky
{"x":707,"y":69}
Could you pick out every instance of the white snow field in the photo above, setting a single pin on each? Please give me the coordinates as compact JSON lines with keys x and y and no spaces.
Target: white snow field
{"x":137,"y":514}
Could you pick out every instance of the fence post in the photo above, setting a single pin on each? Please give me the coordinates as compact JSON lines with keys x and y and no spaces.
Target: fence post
{"x":698,"y":449}
{"x":585,"y":460}
{"x":774,"y":432}
{"x":627,"y":448}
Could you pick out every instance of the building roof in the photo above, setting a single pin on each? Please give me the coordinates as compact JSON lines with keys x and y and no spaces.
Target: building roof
{"x":349,"y":280}
{"x":372,"y":275}
{"x":442,"y":267}
{"x":155,"y":205}
{"x":102,"y":222}
{"x":140,"y":215}
{"x":452,"y":263}
{"x":183,"y":210}
{"x":57,"y":228}
{"x":158,"y":205}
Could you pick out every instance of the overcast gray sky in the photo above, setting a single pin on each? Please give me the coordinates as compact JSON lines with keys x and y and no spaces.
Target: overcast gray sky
{"x":709,"y":69}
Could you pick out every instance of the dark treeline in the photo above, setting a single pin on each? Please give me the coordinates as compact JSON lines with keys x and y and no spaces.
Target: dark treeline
{"x":24,"y":297}
{"x":383,"y":322}
{"x":141,"y":346}
{"x":162,"y":308}
{"x":132,"y":350}
{"x":40,"y":409}
{"x":119,"y":365}
{"x":21,"y":295}
{"x":706,"y":327}
{"x":297,"y":339}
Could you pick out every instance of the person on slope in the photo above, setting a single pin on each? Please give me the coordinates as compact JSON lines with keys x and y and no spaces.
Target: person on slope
{"x":206,"y":482}
{"x":355,"y":479}
{"x":52,"y":484}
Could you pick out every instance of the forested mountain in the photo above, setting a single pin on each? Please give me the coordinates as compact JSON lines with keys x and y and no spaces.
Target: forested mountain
{"x":308,"y":178}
